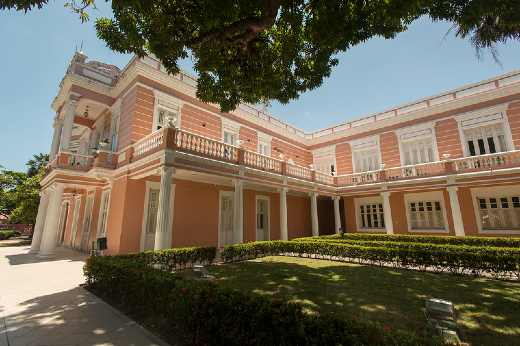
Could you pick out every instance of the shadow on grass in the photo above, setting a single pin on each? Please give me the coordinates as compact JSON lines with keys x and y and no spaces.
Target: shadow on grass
{"x":487,"y":309}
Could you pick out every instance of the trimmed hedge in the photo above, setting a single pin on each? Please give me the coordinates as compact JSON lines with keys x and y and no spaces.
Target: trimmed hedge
{"x":432,"y":239}
{"x":6,"y":234}
{"x":203,"y":313}
{"x":500,"y":266}
{"x":495,"y":251}
{"x":171,"y":259}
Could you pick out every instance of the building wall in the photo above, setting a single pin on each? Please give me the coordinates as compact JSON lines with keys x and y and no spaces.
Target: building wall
{"x":513,"y":114}
{"x":299,"y":216}
{"x":201,"y":122}
{"x":448,"y":138}
{"x":389,"y":150}
{"x":344,"y":159}
{"x":250,"y":138}
{"x":195,"y":219}
{"x":300,"y":156}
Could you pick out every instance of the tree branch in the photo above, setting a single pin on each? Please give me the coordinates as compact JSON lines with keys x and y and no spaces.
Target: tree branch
{"x":251,"y":25}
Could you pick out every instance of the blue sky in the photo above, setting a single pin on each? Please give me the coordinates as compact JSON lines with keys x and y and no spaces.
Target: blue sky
{"x":36,"y":49}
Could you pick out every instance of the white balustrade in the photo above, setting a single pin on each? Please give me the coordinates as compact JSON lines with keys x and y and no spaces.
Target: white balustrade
{"x":203,"y":145}
{"x":78,"y":160}
{"x":359,"y":178}
{"x":324,"y":178}
{"x":261,"y":161}
{"x":490,"y":161}
{"x":148,"y":143}
{"x":299,"y":171}
{"x":421,"y":170}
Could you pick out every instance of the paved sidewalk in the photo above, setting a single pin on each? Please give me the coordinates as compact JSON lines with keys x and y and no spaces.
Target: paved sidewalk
{"x":42,"y":304}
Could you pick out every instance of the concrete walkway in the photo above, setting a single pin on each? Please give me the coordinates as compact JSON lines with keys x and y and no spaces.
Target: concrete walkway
{"x":42,"y":304}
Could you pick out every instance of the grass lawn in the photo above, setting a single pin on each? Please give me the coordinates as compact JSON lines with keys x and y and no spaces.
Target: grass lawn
{"x":488,"y":310}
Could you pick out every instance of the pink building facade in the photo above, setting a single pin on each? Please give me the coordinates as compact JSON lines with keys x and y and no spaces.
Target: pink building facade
{"x":138,"y":159}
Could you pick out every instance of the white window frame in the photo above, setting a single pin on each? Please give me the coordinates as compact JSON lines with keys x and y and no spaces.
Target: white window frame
{"x":365,"y":144}
{"x":231,"y":127}
{"x":484,"y":117}
{"x":416,"y":133}
{"x":156,"y":186}
{"x":432,"y":196}
{"x":493,"y":192}
{"x":225,"y":193}
{"x":268,"y":212}
{"x":324,"y":158}
{"x":114,"y":131}
{"x":168,"y":104}
{"x":265,"y":141}
{"x":363,"y":201}
{"x":102,"y":232}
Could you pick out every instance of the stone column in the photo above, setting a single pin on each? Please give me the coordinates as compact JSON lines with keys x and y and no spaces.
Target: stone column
{"x":51,"y":222}
{"x":284,"y":232}
{"x":58,"y":124}
{"x":455,"y":211}
{"x":40,"y":222}
{"x":337,"y":218}
{"x":387,"y":212}
{"x":239,"y":211}
{"x":68,"y":124}
{"x":314,"y":214}
{"x":163,"y":231}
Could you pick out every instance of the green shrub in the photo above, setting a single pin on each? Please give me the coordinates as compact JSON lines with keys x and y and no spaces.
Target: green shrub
{"x":171,"y":259}
{"x":6,"y":234}
{"x":203,"y":313}
{"x":432,"y":239}
{"x":457,"y":262}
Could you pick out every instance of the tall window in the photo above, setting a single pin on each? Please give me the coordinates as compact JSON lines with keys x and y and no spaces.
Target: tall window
{"x":264,"y":149}
{"x":499,"y":212}
{"x":229,"y":137}
{"x":325,"y":164}
{"x":115,"y":131}
{"x":153,"y":205}
{"x":105,"y":199}
{"x":366,"y":160}
{"x":426,"y":215}
{"x":487,"y":139}
{"x":418,"y":151}
{"x":372,"y":215}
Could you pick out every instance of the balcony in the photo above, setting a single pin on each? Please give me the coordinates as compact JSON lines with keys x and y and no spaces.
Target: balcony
{"x":200,"y":146}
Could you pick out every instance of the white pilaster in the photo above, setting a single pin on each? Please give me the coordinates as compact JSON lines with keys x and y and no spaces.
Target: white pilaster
{"x":387,"y":212}
{"x":162,"y":232}
{"x":51,"y":222}
{"x":455,"y":211}
{"x":314,"y":214}
{"x":58,"y":125}
{"x":68,"y":124}
{"x":239,"y":211}
{"x":40,"y":222}
{"x":284,"y":232}
{"x":337,"y":218}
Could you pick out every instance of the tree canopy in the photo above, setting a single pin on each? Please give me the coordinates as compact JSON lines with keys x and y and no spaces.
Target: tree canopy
{"x":20,"y":192}
{"x":259,"y":50}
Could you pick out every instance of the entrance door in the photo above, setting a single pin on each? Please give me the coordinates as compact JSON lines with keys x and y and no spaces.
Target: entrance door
{"x":151,"y":222}
{"x":226,"y":221}
{"x":262,"y":224}
{"x":83,"y":245}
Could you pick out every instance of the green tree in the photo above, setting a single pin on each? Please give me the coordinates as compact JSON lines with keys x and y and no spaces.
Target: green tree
{"x":10,"y":183}
{"x":260,"y":50}
{"x":37,"y":164}
{"x":27,"y":200}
